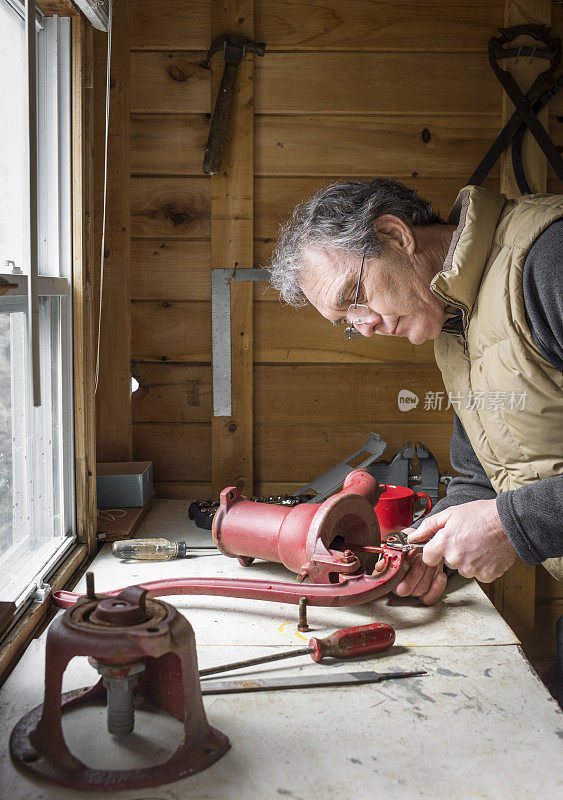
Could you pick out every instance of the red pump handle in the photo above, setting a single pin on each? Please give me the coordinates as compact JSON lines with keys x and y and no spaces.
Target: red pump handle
{"x":352,"y":591}
{"x":353,"y":642}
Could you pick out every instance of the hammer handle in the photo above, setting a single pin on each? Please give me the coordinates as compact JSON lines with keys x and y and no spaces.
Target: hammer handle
{"x":220,"y":121}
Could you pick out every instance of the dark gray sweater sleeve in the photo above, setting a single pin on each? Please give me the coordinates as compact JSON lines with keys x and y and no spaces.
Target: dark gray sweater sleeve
{"x":473,"y":483}
{"x":531,"y":515}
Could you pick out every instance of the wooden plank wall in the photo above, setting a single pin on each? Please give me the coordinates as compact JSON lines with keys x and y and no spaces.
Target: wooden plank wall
{"x":113,"y":392}
{"x":345,"y":90}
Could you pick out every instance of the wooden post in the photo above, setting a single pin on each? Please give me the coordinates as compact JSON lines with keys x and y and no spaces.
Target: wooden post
{"x":63,"y":8}
{"x":514,"y":595}
{"x":232,"y":245}
{"x":113,"y":397}
{"x":83,"y":280}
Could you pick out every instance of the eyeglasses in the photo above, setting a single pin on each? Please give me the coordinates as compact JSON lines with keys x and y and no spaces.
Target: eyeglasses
{"x":357,"y":314}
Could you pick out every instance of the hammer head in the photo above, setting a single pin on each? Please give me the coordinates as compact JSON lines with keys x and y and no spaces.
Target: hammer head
{"x":234,"y":49}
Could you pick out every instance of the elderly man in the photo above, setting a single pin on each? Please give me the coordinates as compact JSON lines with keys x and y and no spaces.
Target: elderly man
{"x":487,"y":287}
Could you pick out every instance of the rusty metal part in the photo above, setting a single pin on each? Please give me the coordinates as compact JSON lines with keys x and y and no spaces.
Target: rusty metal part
{"x":303,"y":625}
{"x":127,"y":609}
{"x":140,"y":646}
{"x":234,"y":50}
{"x":348,"y":557}
{"x":310,"y":539}
{"x":334,"y":544}
{"x":90,"y":588}
{"x":351,"y":590}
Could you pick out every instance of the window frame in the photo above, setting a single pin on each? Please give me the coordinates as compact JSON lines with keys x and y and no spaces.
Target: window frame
{"x":54,"y":139}
{"x":56,"y":220}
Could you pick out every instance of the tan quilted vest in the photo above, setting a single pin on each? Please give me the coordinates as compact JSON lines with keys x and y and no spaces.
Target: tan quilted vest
{"x":508,"y":397}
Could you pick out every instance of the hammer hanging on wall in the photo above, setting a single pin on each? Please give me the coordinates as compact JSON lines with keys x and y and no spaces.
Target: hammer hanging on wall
{"x":234,"y":50}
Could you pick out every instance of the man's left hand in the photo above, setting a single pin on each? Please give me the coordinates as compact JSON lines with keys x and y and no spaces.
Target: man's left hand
{"x":468,"y":537}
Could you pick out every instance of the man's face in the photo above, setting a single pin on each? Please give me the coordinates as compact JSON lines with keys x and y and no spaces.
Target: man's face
{"x":395,"y":288}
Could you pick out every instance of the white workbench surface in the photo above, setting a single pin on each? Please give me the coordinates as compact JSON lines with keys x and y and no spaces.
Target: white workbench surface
{"x":479,"y":725}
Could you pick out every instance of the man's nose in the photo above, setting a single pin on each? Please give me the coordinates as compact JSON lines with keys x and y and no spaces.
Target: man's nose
{"x":368,"y":326}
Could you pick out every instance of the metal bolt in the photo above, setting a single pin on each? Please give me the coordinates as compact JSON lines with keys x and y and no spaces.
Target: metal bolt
{"x":90,"y":592}
{"x":120,"y":681}
{"x":348,"y":557}
{"x":303,"y":626}
{"x":121,"y":709}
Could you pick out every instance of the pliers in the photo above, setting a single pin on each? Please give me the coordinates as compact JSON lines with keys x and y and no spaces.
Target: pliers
{"x":399,"y":541}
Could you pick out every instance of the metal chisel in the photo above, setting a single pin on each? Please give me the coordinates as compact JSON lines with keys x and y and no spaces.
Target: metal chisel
{"x":302,"y":682}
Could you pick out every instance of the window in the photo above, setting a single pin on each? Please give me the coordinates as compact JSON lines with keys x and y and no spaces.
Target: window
{"x":37,"y":524}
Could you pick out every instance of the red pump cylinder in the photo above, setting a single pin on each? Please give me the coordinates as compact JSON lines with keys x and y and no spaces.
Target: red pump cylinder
{"x":315,"y":540}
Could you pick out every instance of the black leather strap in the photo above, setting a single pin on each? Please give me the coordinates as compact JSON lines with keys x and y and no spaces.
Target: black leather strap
{"x":516,"y":149}
{"x":527,"y":106}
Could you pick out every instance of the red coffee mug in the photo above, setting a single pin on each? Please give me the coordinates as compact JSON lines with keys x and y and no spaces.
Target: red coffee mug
{"x":395,"y":508}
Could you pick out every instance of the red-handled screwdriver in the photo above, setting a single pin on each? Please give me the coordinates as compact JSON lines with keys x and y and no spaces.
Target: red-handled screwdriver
{"x":346,"y":643}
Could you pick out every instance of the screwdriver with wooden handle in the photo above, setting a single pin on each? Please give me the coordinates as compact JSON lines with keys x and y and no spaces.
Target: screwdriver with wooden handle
{"x":346,"y":643}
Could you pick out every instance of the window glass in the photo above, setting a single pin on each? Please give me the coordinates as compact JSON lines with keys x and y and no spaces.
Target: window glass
{"x":37,"y":523}
{"x":32,"y":520}
{"x":13,"y":138}
{"x":7,"y":499}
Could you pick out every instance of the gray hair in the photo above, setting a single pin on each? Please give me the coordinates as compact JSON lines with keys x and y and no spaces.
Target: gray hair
{"x":342,"y":216}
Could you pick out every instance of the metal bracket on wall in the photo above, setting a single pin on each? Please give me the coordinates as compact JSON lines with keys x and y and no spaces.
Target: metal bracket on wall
{"x":221,"y":333}
{"x":401,"y":470}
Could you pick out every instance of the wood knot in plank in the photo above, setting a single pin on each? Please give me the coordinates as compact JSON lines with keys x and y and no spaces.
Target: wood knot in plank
{"x":177,"y":216}
{"x":176,"y":73}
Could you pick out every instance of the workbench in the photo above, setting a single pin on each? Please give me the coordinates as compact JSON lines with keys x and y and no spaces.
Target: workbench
{"x":479,"y":724}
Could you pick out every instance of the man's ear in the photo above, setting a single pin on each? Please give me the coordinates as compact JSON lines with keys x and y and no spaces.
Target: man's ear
{"x":395,"y":232}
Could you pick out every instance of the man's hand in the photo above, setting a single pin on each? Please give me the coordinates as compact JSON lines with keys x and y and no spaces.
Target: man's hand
{"x":420,"y":580}
{"x":469,"y":537}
